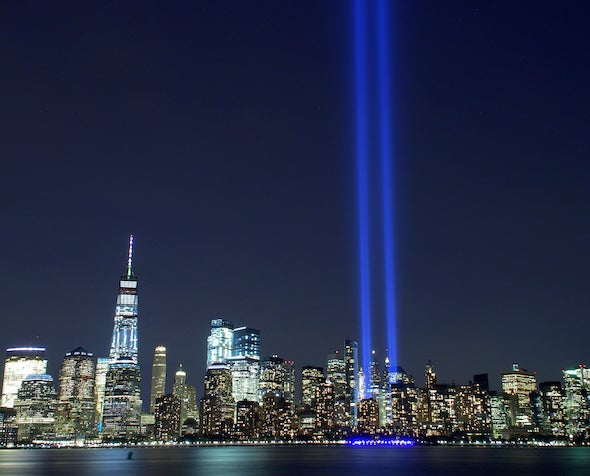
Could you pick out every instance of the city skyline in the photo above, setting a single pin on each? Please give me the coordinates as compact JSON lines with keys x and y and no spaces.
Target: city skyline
{"x":221,"y":137}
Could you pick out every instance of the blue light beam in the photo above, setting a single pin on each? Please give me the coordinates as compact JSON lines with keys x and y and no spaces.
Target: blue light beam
{"x":385,"y":150}
{"x":360,"y":74}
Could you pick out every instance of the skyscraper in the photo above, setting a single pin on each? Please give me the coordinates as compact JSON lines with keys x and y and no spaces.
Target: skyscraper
{"x":246,"y":342}
{"x":122,"y":400}
{"x":351,"y":362}
{"x":35,"y":406}
{"x":167,"y":417}
{"x":217,"y":404}
{"x":75,"y":403}
{"x":124,"y":342}
{"x":518,"y":384}
{"x":220,"y":342}
{"x":100,"y":379}
{"x":277,"y":375}
{"x":158,"y":376}
{"x":576,"y":383}
{"x":311,"y":378}
{"x":20,"y":362}
{"x":244,"y":364}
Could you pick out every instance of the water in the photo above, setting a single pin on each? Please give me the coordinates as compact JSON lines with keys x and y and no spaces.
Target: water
{"x":297,"y":460}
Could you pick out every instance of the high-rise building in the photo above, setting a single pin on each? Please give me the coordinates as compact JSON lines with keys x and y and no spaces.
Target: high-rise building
{"x":246,"y":342}
{"x":124,"y":342}
{"x":35,"y":406}
{"x":336,"y":374}
{"x":245,"y":373}
{"x":167,"y":417}
{"x":368,"y":416}
{"x":75,"y":404}
{"x":102,"y":367}
{"x":187,"y":395}
{"x":473,"y":410}
{"x":158,"y":376}
{"x":122,"y":401}
{"x":20,"y":362}
{"x":217,"y":404}
{"x":311,"y":378}
{"x":277,"y":375}
{"x":553,"y":402}
{"x":352,"y":377}
{"x":8,"y":427}
{"x":576,"y":383}
{"x":500,"y":413}
{"x":247,"y":420}
{"x":220,"y":342}
{"x":518,"y":384}
{"x":324,"y":408}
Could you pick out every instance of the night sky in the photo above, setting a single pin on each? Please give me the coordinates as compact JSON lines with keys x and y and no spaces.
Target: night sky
{"x":221,"y":134}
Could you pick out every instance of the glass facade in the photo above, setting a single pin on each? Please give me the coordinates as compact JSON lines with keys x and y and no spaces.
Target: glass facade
{"x":158,"y":376}
{"x":220,"y":342}
{"x":20,"y":362}
{"x":246,"y":342}
{"x":124,"y":342}
{"x":121,"y":416}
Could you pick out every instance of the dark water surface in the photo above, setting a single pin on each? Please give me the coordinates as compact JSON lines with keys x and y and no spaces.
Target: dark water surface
{"x":296,"y":460}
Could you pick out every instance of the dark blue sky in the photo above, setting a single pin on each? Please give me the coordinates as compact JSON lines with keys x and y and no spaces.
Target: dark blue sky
{"x":221,"y":135}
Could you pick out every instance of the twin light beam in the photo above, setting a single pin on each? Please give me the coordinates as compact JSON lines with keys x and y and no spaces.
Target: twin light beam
{"x":372,"y":68}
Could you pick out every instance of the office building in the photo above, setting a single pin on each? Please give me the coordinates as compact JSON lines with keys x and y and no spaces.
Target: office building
{"x":311,"y":379}
{"x":220,"y":342}
{"x":167,"y":418}
{"x":121,"y":418}
{"x":158,"y":376}
{"x":20,"y":362}
{"x":35,"y":406}
{"x":75,"y":403}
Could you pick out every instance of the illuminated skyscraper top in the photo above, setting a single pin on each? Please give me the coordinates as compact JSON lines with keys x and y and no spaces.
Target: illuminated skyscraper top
{"x":124,"y":343}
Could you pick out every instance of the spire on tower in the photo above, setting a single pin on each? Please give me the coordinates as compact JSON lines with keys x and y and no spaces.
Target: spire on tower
{"x":130,"y":258}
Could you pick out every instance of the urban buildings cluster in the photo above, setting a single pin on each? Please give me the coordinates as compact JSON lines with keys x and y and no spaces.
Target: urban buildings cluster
{"x":247,"y":396}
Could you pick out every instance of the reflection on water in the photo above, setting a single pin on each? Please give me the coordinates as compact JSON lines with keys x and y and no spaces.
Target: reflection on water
{"x":296,"y":460}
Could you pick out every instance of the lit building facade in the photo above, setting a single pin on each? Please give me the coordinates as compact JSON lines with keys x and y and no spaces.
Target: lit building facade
{"x":351,"y":363}
{"x":368,"y":417}
{"x":75,"y":404}
{"x":246,"y":342}
{"x":122,"y":401}
{"x":220,"y":342}
{"x":311,"y":378}
{"x":100,"y":379}
{"x":20,"y":363}
{"x":158,"y":376}
{"x":247,"y":420}
{"x":245,"y":373}
{"x":187,"y":395}
{"x":553,"y":402}
{"x":518,"y":384}
{"x":277,"y":375}
{"x":167,"y":418}
{"x":35,"y":406}
{"x":217,"y":404}
{"x":576,"y":383}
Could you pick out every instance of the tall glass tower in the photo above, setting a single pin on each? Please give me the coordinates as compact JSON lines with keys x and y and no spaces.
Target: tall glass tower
{"x":158,"y":376}
{"x":121,"y":418}
{"x":124,"y":343}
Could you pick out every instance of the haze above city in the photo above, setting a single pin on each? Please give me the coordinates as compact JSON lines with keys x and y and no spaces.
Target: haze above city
{"x":221,"y":135}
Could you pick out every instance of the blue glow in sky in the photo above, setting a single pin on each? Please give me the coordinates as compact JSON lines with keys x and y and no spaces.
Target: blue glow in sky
{"x":385,"y":136}
{"x":360,"y":73}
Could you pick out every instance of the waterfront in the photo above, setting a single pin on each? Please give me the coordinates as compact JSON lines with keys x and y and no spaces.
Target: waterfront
{"x":295,"y":460}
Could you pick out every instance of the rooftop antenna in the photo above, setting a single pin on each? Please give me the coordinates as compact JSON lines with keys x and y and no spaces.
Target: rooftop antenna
{"x":130,"y":258}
